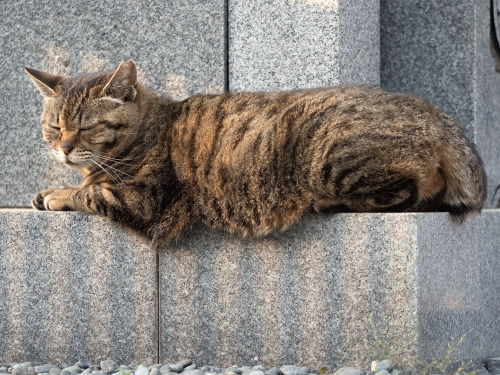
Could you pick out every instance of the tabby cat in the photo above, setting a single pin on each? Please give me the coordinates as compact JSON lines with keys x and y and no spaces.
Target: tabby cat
{"x":249,"y":162}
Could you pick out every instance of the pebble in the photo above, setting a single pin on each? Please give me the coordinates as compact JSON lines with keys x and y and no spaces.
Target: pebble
{"x":187,"y":367}
{"x":349,"y":371}
{"x":83,"y":363}
{"x":44,"y":369}
{"x":18,"y":371}
{"x":294,"y":370}
{"x":74,"y":368}
{"x":108,"y":365}
{"x":185,"y":363}
{"x":494,"y":362}
{"x":260,"y":368}
{"x":386,"y":365}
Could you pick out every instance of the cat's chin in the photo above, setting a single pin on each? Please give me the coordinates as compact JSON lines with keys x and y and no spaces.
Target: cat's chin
{"x":76,"y":166}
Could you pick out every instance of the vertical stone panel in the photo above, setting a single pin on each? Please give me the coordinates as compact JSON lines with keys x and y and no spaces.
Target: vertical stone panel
{"x":280,"y":45}
{"x":75,"y":286}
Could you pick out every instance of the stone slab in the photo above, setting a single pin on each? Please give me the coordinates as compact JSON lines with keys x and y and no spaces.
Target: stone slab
{"x":75,"y":286}
{"x":305,"y":296}
{"x":446,"y":52}
{"x":178,"y":47}
{"x":279,"y":45}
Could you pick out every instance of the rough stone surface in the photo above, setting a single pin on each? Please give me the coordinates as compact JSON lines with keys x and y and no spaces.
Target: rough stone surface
{"x":445,"y":52}
{"x":305,"y":296}
{"x":178,"y":47}
{"x":74,"y":285}
{"x":278,"y":45}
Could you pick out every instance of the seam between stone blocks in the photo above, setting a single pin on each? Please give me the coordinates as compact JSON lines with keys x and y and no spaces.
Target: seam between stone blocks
{"x":226,"y":45}
{"x":158,"y":305}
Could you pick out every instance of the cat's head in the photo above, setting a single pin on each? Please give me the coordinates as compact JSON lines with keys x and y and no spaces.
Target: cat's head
{"x":90,"y":118}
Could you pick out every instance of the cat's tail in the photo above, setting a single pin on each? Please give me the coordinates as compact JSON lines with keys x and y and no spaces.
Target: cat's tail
{"x":465,"y":179}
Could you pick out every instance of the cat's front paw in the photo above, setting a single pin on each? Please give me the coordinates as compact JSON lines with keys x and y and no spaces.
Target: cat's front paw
{"x":38,"y":199}
{"x":54,"y":200}
{"x":59,"y":200}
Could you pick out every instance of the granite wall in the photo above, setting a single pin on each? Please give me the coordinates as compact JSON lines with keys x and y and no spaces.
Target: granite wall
{"x":447,"y":53}
{"x":178,"y":47}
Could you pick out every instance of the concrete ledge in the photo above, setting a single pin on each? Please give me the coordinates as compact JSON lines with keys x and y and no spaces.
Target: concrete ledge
{"x":305,"y":296}
{"x":74,"y":286}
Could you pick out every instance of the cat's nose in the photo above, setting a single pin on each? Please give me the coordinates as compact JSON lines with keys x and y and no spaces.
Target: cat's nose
{"x":66,"y":147}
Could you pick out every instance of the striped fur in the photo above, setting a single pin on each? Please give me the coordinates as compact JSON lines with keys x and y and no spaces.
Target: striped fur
{"x":250,"y":162}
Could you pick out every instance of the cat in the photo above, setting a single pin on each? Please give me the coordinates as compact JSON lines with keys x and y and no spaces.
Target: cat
{"x":250,"y":163}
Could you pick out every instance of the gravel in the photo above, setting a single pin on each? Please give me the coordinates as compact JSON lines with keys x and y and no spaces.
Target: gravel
{"x":188,"y":367}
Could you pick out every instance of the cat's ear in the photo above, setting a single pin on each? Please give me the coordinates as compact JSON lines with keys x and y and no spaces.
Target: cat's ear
{"x":45,"y":82}
{"x":122,"y":85}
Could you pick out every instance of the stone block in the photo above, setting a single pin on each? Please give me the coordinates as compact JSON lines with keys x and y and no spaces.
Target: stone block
{"x":305,"y":296}
{"x":279,"y":45}
{"x":178,"y":47}
{"x":447,"y":53}
{"x":75,"y":286}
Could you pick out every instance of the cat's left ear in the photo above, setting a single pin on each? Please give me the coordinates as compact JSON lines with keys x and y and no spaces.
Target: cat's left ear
{"x":45,"y":82}
{"x":122,"y":85}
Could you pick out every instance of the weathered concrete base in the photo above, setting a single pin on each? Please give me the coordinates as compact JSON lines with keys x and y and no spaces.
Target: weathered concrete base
{"x":305,"y":296}
{"x":74,"y":286}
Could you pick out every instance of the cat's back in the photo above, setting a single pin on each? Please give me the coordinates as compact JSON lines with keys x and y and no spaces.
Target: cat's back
{"x":241,"y":126}
{"x":255,"y":161}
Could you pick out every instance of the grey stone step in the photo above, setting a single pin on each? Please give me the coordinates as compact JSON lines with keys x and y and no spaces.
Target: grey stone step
{"x":74,"y":285}
{"x":305,"y":296}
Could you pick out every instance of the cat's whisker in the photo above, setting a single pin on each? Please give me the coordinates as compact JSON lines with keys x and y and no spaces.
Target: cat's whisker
{"x":119,"y":161}
{"x":105,"y":171}
{"x":45,"y":153}
{"x":125,"y":159}
{"x":116,"y":170}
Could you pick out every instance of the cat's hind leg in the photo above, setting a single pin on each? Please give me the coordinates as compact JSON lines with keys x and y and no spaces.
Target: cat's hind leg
{"x":395,"y":193}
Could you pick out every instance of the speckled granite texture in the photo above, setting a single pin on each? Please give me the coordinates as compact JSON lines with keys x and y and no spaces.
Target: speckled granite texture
{"x":74,"y":286}
{"x":305,"y":296}
{"x":278,"y":45}
{"x":444,"y":51}
{"x":178,"y":47}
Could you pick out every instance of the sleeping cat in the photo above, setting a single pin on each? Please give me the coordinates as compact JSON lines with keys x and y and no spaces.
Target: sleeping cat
{"x":249,"y":162}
